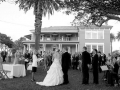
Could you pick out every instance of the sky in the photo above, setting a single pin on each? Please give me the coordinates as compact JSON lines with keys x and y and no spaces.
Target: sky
{"x":16,"y":23}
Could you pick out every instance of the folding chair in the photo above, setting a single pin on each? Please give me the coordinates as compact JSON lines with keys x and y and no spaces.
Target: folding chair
{"x":3,"y":72}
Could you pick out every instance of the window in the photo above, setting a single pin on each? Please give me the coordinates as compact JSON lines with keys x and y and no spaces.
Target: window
{"x":98,"y":46}
{"x":100,"y":34}
{"x":88,"y":48}
{"x":94,"y":34}
{"x":94,"y":46}
{"x":87,"y":34}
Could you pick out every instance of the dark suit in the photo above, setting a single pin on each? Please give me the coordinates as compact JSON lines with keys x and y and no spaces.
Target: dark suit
{"x":100,"y":62}
{"x":85,"y":70}
{"x":95,"y":68}
{"x":27,"y":56}
{"x":4,"y":54}
{"x":66,"y":62}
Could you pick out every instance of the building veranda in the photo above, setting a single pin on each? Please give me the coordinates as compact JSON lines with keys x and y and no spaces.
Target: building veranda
{"x":72,"y":37}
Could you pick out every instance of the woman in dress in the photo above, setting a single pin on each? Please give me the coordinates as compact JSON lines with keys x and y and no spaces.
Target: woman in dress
{"x":54,"y":74}
{"x":16,"y":59}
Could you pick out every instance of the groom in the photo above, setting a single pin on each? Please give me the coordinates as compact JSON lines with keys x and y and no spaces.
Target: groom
{"x":66,"y":62}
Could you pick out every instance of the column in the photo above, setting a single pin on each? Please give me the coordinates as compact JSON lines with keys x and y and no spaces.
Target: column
{"x":76,"y":48}
{"x":61,"y":47}
{"x":29,"y":47}
{"x":24,"y":49}
{"x":44,"y":47}
{"x":69,"y":49}
{"x":62,"y":38}
{"x":50,"y":37}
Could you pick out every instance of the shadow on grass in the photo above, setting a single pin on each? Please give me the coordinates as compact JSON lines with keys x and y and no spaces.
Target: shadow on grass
{"x":75,"y":78}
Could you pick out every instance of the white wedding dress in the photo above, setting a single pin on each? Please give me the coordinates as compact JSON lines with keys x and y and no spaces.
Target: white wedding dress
{"x":54,"y":74}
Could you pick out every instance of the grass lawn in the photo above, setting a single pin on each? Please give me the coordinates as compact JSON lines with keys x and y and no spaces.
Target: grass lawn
{"x":75,"y":78}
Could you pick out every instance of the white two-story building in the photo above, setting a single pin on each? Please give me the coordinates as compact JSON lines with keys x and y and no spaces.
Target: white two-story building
{"x":72,"y":37}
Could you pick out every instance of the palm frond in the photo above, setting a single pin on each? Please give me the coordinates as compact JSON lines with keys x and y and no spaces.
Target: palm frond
{"x":118,"y":36}
{"x":48,"y":6}
{"x":112,"y":37}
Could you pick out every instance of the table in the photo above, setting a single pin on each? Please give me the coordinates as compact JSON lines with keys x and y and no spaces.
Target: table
{"x":17,"y":70}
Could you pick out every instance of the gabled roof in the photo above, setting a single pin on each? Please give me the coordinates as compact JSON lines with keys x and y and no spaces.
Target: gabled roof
{"x":28,"y":36}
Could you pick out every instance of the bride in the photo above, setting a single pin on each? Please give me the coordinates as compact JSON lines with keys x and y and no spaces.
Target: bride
{"x":54,"y":74}
{"x":16,"y":58}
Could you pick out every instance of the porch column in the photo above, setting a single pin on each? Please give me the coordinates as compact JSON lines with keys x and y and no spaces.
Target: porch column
{"x":59,"y":46}
{"x":24,"y":49}
{"x":62,"y":38}
{"x":69,"y":49}
{"x":44,"y":47}
{"x":76,"y":48}
{"x":29,"y":47}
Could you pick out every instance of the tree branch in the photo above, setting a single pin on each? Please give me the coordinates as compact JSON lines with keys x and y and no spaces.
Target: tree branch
{"x":113,"y":17}
{"x":110,"y":11}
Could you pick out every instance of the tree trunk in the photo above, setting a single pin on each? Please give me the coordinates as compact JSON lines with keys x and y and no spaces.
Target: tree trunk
{"x":38,"y":23}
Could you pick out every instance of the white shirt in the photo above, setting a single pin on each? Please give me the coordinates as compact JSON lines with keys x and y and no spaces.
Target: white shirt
{"x":34,"y":63}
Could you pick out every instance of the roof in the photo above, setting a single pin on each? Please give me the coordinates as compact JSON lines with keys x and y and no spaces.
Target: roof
{"x":95,"y":27}
{"x":73,"y":28}
{"x":28,"y":36}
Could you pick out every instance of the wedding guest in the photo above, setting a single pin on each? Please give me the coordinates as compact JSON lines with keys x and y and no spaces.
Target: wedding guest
{"x":103,"y":59}
{"x":27,"y":58}
{"x":109,"y":57}
{"x":95,"y":66}
{"x":4,"y":54}
{"x":99,"y":61}
{"x":16,"y":59}
{"x":9,"y":56}
{"x":112,"y":75}
{"x":76,"y":61}
{"x":45,"y":56}
{"x":86,"y":61}
{"x":34,"y":65}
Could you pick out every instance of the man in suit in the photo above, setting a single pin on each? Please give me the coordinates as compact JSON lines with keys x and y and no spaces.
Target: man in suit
{"x":4,"y":54}
{"x":95,"y":66}
{"x":27,"y":58}
{"x":86,"y":60}
{"x":99,"y":61}
{"x":66,"y":62}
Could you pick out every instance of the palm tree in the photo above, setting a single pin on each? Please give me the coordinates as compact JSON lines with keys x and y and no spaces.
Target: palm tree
{"x":118,"y":36}
{"x":112,"y":38}
{"x":41,"y":8}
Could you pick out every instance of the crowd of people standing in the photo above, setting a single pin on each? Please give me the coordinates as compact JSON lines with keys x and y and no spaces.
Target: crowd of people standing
{"x":83,"y":61}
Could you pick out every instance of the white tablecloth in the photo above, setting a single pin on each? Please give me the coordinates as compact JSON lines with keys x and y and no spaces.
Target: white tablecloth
{"x":17,"y":70}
